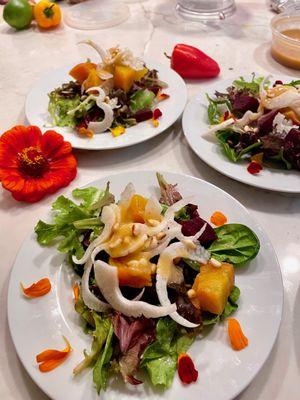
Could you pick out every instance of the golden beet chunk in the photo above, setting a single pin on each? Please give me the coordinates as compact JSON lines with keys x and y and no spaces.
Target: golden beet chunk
{"x":212,"y":287}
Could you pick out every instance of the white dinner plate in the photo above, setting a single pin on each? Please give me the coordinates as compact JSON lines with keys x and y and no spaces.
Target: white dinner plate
{"x":36,"y":110}
{"x":38,"y":324}
{"x":195,"y":124}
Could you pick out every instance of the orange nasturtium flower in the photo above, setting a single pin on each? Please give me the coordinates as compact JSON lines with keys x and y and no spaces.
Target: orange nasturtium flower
{"x":186,"y":369}
{"x":236,"y":336}
{"x":218,"y":218}
{"x":51,"y":359}
{"x":33,"y":164}
{"x":37,"y":289}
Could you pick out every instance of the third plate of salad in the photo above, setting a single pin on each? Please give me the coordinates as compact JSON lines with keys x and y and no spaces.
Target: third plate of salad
{"x":145,"y":285}
{"x":117,"y":100}
{"x":249,"y":129}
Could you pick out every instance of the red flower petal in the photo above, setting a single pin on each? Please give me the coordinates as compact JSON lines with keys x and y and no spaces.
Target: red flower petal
{"x":21,"y":137}
{"x":50,"y":143}
{"x":157,"y":113}
{"x":186,"y":369}
{"x":60,"y":168}
{"x":254,"y":168}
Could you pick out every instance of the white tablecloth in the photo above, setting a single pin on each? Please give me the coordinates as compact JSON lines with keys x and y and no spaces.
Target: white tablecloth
{"x":241,"y":45}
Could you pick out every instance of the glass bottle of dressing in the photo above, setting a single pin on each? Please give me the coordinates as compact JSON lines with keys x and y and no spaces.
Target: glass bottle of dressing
{"x":286,"y":37}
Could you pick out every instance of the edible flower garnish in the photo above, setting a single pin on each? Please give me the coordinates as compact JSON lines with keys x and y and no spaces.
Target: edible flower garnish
{"x":37,"y":289}
{"x":85,"y":132}
{"x":76,"y":292}
{"x":51,"y":359}
{"x":117,"y":131}
{"x":236,"y":336}
{"x":186,"y":369}
{"x":33,"y":164}
{"x":218,"y":218}
{"x":156,"y":114}
{"x":254,"y":168}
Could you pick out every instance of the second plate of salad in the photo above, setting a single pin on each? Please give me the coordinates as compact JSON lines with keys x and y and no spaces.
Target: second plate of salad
{"x":115,"y":100}
{"x":248,"y":129}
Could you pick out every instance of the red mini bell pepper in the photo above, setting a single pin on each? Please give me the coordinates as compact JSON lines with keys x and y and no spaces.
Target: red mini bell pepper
{"x":191,"y":63}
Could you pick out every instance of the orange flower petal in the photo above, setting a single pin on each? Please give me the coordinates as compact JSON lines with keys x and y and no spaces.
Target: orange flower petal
{"x":37,"y":289}
{"x":76,"y":292}
{"x":236,"y":336}
{"x":51,"y":359}
{"x":218,"y":218}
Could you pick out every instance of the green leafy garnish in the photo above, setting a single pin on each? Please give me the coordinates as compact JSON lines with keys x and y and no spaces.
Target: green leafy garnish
{"x":236,"y":244}
{"x":160,"y":358}
{"x":182,"y":214}
{"x":100,"y":371}
{"x":100,"y":334}
{"x":295,"y":83}
{"x":252,"y":86}
{"x":59,"y":107}
{"x":213,"y":111}
{"x":228,"y":135}
{"x":280,"y":158}
{"x":71,"y":220}
{"x":141,"y":100}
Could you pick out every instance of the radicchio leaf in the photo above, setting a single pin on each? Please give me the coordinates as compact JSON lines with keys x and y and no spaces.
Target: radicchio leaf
{"x":134,"y":335}
{"x":292,"y":147}
{"x":178,"y":293}
{"x":169,"y":194}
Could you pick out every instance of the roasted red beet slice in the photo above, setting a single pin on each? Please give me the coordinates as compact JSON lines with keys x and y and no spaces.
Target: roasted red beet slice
{"x":243,"y":103}
{"x":143,"y":115}
{"x":265,"y":122}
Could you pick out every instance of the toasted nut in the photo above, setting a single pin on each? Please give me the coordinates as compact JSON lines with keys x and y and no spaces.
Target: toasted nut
{"x":127,"y":240}
{"x":189,"y":244}
{"x":153,"y":222}
{"x":133,"y":263}
{"x":215,"y":262}
{"x":153,"y":243}
{"x":153,"y":268}
{"x":116,"y":226}
{"x":161,"y":235}
{"x":136,"y":229}
{"x":115,"y":243}
{"x":191,"y":293}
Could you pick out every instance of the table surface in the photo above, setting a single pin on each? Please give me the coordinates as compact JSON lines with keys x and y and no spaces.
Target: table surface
{"x":241,"y":45}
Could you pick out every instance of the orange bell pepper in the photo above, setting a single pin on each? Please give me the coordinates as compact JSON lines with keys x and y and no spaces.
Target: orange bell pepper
{"x":47,"y":14}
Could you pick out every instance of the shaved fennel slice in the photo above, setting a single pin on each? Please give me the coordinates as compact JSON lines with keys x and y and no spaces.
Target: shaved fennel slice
{"x":108,"y":217}
{"x":215,"y":128}
{"x":102,"y":53}
{"x":286,"y":99}
{"x":169,"y":216}
{"x":153,"y":209}
{"x":248,"y":117}
{"x":107,"y":280}
{"x":262,"y":90}
{"x":166,"y":271}
{"x":162,"y":293}
{"x":139,"y":296}
{"x":127,"y":194}
{"x":102,"y":126}
{"x":89,"y":299}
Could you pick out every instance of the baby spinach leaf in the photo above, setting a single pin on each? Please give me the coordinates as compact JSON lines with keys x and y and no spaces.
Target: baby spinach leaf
{"x":236,"y":244}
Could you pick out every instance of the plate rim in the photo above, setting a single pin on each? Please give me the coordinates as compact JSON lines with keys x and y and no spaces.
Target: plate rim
{"x":195,"y":99}
{"x":156,"y":131}
{"x":185,"y":176}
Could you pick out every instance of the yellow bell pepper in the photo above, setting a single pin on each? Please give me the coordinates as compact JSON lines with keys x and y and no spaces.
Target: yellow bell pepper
{"x":47,"y":14}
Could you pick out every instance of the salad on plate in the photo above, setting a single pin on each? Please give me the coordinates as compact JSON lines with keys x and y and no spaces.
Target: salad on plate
{"x":118,"y":92}
{"x":259,"y":122}
{"x":152,"y":274}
